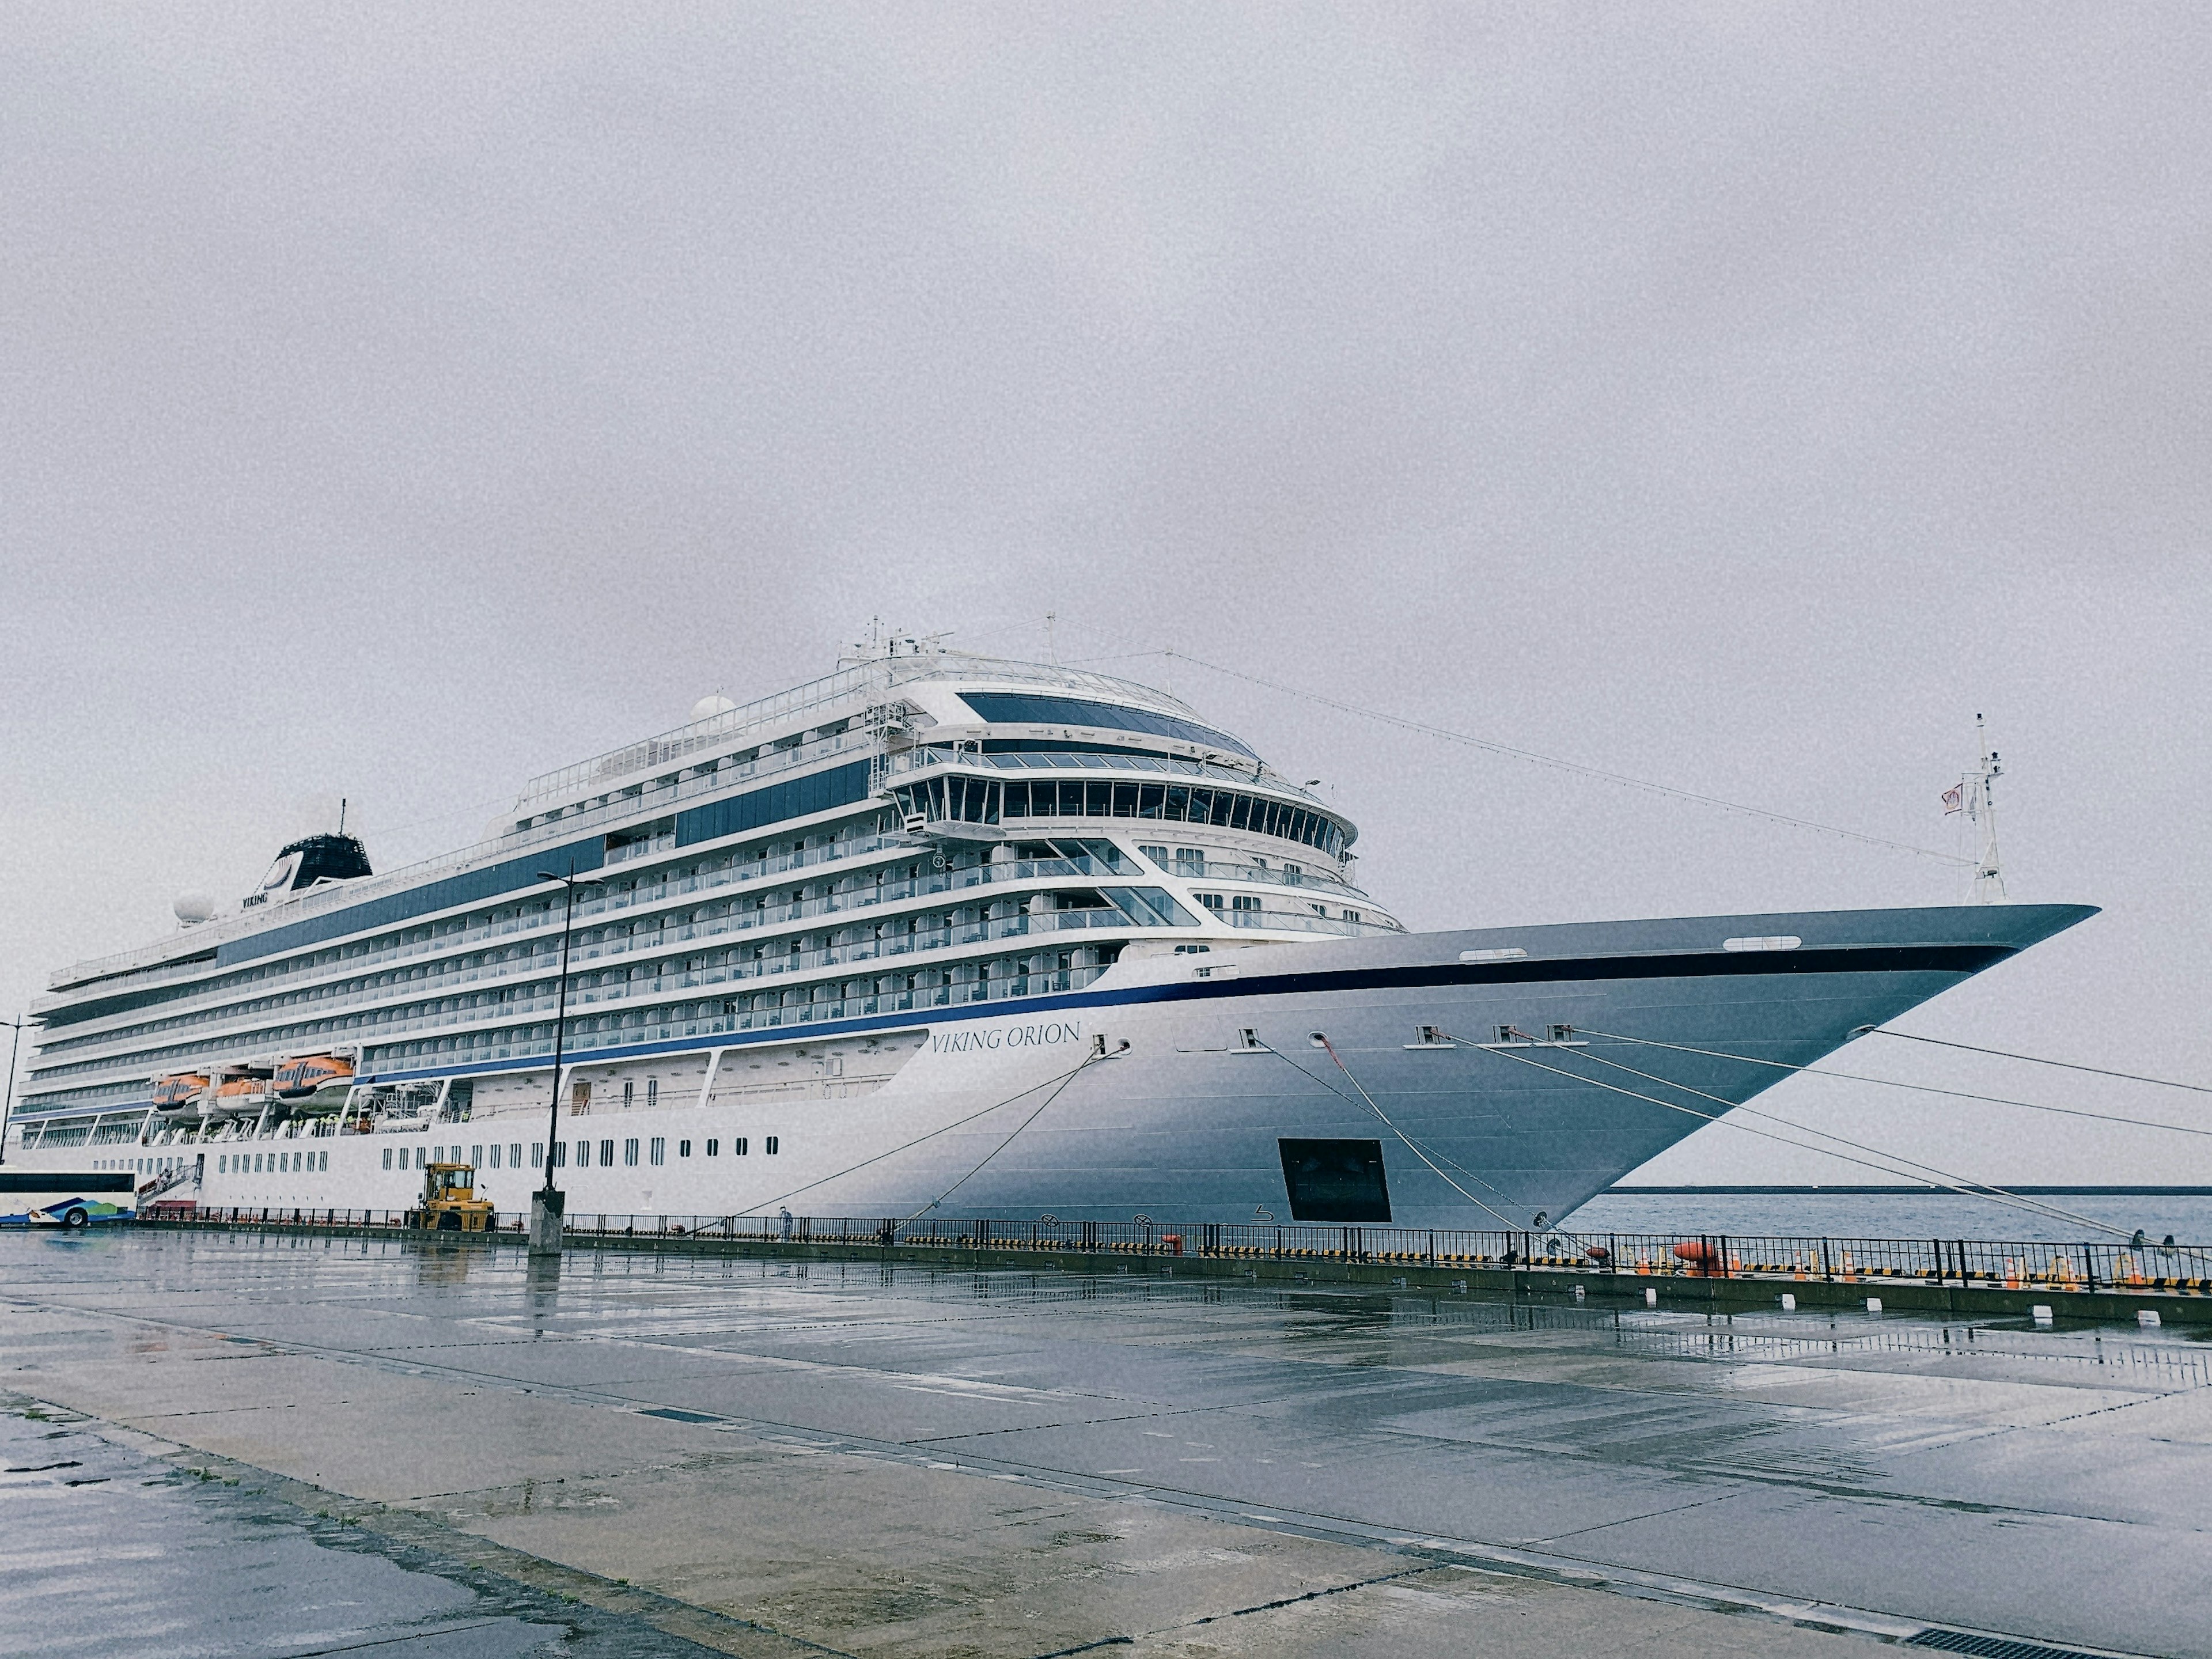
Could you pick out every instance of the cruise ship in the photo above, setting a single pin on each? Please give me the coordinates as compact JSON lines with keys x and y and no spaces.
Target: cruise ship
{"x":937,"y":934}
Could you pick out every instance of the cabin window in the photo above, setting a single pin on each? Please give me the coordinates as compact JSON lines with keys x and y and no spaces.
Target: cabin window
{"x":653,"y":1091}
{"x":682,"y":1149}
{"x":388,"y":1157}
{"x":629,"y":1153}
{"x":712,"y":1147}
{"x":768,"y":1145}
{"x":607,"y":1153}
{"x":494,"y":1154}
{"x":583,"y":1154}
{"x":739,"y":1147}
{"x":629,"y":1092}
{"x":660,"y":1150}
{"x":537,"y":1154}
{"x":476,"y":1157}
{"x":322,"y":1160}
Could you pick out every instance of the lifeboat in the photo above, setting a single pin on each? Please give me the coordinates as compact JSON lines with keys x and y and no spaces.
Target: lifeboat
{"x":176,"y":1091}
{"x":309,"y":1072}
{"x":239,"y":1096}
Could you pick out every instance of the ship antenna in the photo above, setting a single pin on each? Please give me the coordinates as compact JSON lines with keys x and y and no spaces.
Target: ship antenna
{"x":342,"y":807}
{"x":1982,"y":805}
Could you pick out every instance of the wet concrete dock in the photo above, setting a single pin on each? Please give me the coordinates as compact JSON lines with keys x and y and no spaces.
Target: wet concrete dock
{"x":773,"y":1456}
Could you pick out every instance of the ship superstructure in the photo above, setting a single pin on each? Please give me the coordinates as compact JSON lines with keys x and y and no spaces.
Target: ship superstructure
{"x":833,"y":947}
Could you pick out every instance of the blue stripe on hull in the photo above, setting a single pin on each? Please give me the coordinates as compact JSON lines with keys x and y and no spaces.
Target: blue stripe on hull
{"x":1958,"y":961}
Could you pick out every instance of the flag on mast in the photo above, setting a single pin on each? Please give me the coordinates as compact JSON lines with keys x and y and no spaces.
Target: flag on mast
{"x":1954,"y":797}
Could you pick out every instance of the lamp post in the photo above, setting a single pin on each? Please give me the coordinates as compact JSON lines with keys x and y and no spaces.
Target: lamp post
{"x":8,"y":1099}
{"x":547,"y":1203}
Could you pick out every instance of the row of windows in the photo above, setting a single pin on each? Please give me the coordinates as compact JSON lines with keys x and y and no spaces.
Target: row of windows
{"x":800,"y":797}
{"x":986,"y":800}
{"x":276,"y":1163}
{"x":1033,"y":708}
{"x":654,"y":1151}
{"x":736,"y":866}
{"x":1245,"y":908}
{"x":646,"y":932}
{"x":1037,"y":974}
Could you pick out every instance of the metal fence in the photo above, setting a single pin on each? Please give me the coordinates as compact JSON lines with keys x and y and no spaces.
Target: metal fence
{"x":1973,"y":1263}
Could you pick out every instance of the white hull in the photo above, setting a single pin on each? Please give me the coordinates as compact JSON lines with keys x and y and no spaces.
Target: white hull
{"x":1180,"y":1120}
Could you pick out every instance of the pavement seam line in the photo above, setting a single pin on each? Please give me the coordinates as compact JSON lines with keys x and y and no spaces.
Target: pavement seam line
{"x":686,"y":1620}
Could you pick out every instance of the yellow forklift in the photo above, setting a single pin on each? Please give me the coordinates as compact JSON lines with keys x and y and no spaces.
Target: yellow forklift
{"x":450,"y":1203}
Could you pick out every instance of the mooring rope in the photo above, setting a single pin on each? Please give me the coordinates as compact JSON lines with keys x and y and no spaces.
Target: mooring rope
{"x":1921,"y":1088}
{"x":2034,"y":1060}
{"x":1095,"y":1054}
{"x":943,"y":1128}
{"x":1969,"y":1188}
{"x":1510,"y":1224}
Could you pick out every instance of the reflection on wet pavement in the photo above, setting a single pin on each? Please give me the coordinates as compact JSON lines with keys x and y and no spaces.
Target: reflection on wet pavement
{"x":737,"y":1433}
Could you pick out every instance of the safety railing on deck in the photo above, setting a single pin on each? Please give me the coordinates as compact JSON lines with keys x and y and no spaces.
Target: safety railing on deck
{"x":1970,"y":1263}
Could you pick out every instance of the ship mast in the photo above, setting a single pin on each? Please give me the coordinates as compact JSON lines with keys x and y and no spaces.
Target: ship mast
{"x":1982,"y":808}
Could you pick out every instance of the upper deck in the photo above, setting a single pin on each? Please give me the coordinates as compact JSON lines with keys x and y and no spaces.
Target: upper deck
{"x":876,"y":711}
{"x":986,"y":806}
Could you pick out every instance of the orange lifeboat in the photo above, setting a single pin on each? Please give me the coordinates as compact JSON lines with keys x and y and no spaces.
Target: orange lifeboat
{"x":309,"y":1072}
{"x":175,"y":1092}
{"x":237,"y":1096}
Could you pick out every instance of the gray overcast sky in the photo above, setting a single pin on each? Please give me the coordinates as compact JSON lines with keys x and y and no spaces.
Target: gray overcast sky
{"x":400,"y":400}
